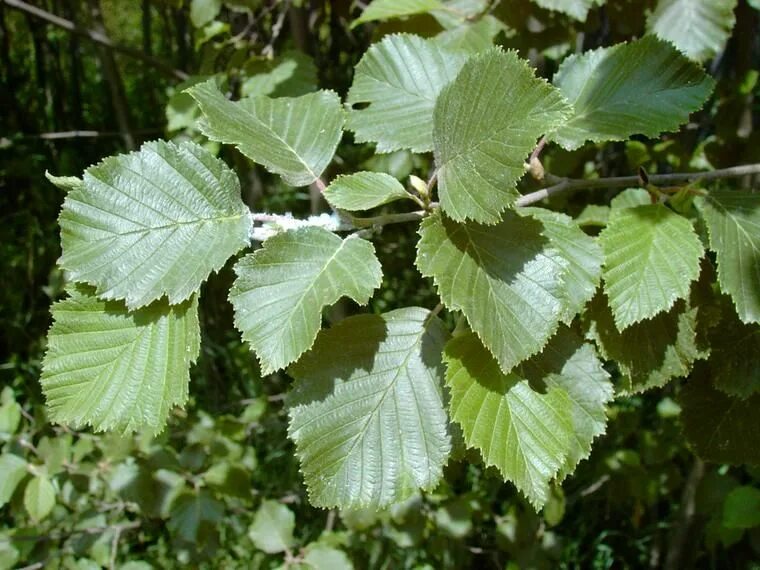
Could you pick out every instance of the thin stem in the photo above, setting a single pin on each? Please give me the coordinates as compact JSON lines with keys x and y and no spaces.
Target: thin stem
{"x":565,"y":184}
{"x":539,"y":147}
{"x":387,"y":219}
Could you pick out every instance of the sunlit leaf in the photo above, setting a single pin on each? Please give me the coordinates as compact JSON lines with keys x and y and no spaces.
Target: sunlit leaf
{"x":389,"y":9}
{"x":272,"y":527}
{"x":364,"y":190}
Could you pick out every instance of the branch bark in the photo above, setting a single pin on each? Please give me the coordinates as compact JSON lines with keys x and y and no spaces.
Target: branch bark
{"x":565,"y":184}
{"x":95,"y":36}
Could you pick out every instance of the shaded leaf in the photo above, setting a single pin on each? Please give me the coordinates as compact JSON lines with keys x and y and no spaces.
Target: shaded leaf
{"x":291,"y":75}
{"x":369,"y":427}
{"x":294,"y":137}
{"x":39,"y":497}
{"x":13,"y":469}
{"x":721,"y":428}
{"x":651,"y":256}
{"x":577,"y":9}
{"x":485,"y":124}
{"x":609,"y":89}
{"x":742,"y":508}
{"x":190,"y":511}
{"x":281,"y":289}
{"x":506,"y":279}
{"x":699,"y":28}
{"x":153,"y":223}
{"x":114,"y":369}
{"x":400,"y":78}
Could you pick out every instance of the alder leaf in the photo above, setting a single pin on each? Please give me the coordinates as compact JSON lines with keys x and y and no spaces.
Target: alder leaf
{"x":582,"y":253}
{"x":471,"y":37}
{"x":281,"y":289}
{"x":369,"y":425}
{"x":485,"y":124}
{"x":733,"y":223}
{"x":294,"y":137}
{"x":572,"y":365}
{"x":506,"y":279}
{"x":116,"y":369}
{"x":153,"y":223}
{"x":390,"y":9}
{"x":577,"y":9}
{"x":699,"y":28}
{"x":721,"y":428}
{"x":523,"y":433}
{"x":643,"y":87}
{"x":651,"y":353}
{"x":65,"y":183}
{"x":651,"y":256}
{"x":398,"y":81}
{"x":364,"y":190}
{"x":290,"y":75}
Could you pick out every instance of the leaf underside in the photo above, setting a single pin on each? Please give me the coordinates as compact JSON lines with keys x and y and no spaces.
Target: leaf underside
{"x":364,"y":190}
{"x":370,"y":428}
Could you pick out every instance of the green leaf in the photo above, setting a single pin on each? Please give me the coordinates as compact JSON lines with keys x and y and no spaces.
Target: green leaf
{"x":630,"y":198}
{"x":293,"y":137}
{"x":721,"y":428}
{"x":577,"y":9}
{"x":192,"y":511}
{"x":369,"y":426}
{"x":13,"y":469}
{"x":593,"y":215}
{"x":203,"y":11}
{"x":364,"y":190}
{"x":471,"y":37}
{"x":651,"y":353}
{"x":485,"y":124}
{"x":65,"y":183}
{"x":742,"y":508}
{"x":651,"y":256}
{"x":390,"y":9}
{"x":610,"y":89}
{"x":114,"y":369}
{"x":291,"y":75}
{"x":699,"y":28}
{"x":39,"y":497}
{"x":281,"y":289}
{"x":322,"y":557}
{"x":153,"y":223}
{"x":733,"y":223}
{"x":272,"y":527}
{"x":400,"y":78}
{"x":572,"y":365}
{"x":531,"y":437}
{"x":735,"y":355}
{"x":582,"y":253}
{"x":506,"y":279}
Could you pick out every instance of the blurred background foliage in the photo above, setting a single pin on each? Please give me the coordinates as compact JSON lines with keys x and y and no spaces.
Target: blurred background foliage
{"x":220,"y":488}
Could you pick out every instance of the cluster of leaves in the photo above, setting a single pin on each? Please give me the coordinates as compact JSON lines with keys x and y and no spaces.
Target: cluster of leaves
{"x":525,"y":379}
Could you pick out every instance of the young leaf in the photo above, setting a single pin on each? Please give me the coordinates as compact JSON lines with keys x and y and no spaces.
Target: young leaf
{"x":400,"y":79}
{"x":389,"y":9}
{"x":577,"y":9}
{"x":369,"y":426}
{"x":733,"y":223}
{"x":506,"y":279}
{"x":153,"y":223}
{"x":272,"y":527}
{"x":721,"y":428}
{"x":582,"y":253}
{"x":293,"y":137}
{"x":651,"y":353}
{"x":609,"y":89}
{"x":699,"y":28}
{"x":651,"y":256}
{"x":735,"y":355}
{"x":13,"y":469}
{"x":364,"y":190}
{"x":524,"y":433}
{"x":114,"y":369}
{"x":65,"y":183}
{"x":281,"y":289}
{"x":39,"y":497}
{"x":630,"y":198}
{"x":485,"y":124}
